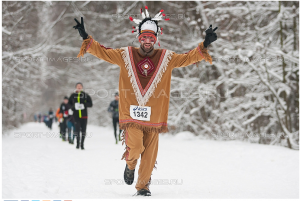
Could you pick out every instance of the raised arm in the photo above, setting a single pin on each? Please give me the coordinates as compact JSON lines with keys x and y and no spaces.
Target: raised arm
{"x":91,"y":46}
{"x":197,"y":54}
{"x":193,"y":56}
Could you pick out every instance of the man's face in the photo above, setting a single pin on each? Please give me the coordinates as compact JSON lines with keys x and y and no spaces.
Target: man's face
{"x":78,"y":87}
{"x":117,"y":97}
{"x":66,"y":101}
{"x":147,"y":43}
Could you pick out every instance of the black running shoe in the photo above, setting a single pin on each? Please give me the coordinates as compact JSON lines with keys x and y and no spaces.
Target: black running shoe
{"x":143,"y":192}
{"x":128,"y":175}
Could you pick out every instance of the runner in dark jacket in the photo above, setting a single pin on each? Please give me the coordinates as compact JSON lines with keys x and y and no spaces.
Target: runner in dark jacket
{"x":51,"y":116}
{"x":40,"y":117}
{"x":79,"y":102}
{"x":71,"y":126}
{"x":46,"y":119}
{"x":64,"y":107}
{"x":114,"y":109}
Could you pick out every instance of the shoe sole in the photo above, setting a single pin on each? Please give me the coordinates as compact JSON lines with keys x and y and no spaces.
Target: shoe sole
{"x":143,"y":195}
{"x":146,"y":194}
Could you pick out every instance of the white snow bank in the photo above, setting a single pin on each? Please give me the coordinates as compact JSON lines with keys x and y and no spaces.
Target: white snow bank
{"x":188,"y":167}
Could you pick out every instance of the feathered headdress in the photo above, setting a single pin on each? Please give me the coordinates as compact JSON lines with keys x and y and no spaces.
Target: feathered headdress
{"x":148,"y":25}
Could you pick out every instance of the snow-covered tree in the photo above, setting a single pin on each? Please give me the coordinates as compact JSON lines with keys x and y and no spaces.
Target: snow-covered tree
{"x":251,"y":92}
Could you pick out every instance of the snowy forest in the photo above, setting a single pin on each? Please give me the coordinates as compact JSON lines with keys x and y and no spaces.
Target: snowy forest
{"x":249,"y":93}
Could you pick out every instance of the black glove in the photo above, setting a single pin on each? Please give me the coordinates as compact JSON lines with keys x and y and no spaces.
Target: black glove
{"x":81,"y":29}
{"x":210,"y":37}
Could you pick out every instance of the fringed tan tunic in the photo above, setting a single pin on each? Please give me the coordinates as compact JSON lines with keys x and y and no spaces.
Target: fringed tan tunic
{"x":152,"y":90}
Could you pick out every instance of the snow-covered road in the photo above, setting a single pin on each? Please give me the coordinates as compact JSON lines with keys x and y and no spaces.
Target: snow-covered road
{"x":42,"y":166}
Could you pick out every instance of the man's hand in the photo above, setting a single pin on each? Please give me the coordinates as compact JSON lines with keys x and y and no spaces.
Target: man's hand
{"x":210,"y":37}
{"x":81,"y":29}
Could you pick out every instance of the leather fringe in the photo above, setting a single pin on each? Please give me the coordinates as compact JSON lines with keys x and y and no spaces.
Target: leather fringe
{"x":155,"y":165}
{"x":204,"y":52}
{"x":161,"y":129}
{"x":148,"y":184}
{"x":125,"y":154}
{"x":123,"y":139}
{"x":83,"y":46}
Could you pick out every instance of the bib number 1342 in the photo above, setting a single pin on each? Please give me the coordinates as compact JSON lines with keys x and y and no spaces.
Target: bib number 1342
{"x":140,"y":113}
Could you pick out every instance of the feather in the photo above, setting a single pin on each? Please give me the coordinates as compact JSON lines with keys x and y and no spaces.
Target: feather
{"x":157,"y":18}
{"x":143,"y":14}
{"x":137,"y":21}
{"x":146,"y":11}
{"x":157,"y":15}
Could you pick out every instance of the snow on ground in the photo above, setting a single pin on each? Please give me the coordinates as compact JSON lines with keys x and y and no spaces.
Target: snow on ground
{"x":45,"y":167}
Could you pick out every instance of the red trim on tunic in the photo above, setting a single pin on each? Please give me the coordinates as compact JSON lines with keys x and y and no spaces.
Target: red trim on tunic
{"x":128,"y":149}
{"x":90,"y":43}
{"x":198,"y":48}
{"x":105,"y":47}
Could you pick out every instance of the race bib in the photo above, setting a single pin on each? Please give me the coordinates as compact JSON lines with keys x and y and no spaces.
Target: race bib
{"x":140,"y":113}
{"x":79,"y":106}
{"x":65,"y":115}
{"x":50,"y":116}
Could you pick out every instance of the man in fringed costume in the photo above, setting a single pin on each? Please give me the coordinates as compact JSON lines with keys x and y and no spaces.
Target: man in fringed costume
{"x":144,"y":90}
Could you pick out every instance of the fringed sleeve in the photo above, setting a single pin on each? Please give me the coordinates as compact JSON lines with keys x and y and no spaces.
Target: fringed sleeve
{"x":204,"y":53}
{"x":110,"y":55}
{"x":84,"y":46}
{"x":196,"y":55}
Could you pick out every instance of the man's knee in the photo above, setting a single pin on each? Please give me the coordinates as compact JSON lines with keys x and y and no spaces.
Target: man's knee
{"x":136,"y":149}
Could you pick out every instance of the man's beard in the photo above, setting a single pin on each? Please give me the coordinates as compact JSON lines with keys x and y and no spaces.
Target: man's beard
{"x":147,"y":50}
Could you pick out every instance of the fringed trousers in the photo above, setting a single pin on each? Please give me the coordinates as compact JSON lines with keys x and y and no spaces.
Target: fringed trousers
{"x":144,"y":143}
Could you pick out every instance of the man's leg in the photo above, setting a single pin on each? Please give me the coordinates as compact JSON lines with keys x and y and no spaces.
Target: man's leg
{"x":119,"y":129}
{"x":83,"y":124}
{"x":134,"y":146}
{"x":60,"y":129}
{"x":148,"y":159}
{"x":115,"y":129}
{"x":69,"y":131}
{"x":50,"y":124}
{"x":77,"y":132}
{"x":73,"y":128}
{"x":64,"y":129}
